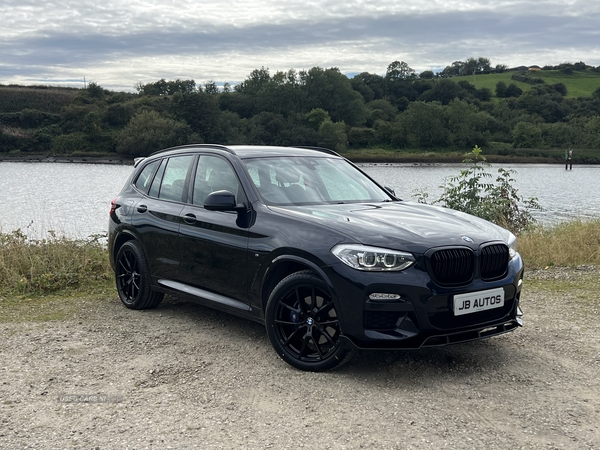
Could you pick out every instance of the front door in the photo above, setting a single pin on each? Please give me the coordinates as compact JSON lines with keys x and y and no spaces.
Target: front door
{"x":213,"y":247}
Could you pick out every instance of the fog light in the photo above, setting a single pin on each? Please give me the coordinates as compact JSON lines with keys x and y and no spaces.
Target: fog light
{"x":381,"y":296}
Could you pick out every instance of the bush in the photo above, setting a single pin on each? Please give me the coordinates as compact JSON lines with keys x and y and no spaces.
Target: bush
{"x":474,"y":192}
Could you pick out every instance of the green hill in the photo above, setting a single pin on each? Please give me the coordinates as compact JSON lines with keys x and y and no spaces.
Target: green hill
{"x":579,"y":84}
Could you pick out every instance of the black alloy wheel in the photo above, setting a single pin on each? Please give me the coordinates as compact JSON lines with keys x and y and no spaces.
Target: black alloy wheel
{"x":133,"y":278}
{"x":303,"y":324}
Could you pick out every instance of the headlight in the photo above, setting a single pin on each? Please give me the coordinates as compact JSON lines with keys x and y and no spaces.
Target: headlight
{"x":372,"y":258}
{"x":512,"y":246}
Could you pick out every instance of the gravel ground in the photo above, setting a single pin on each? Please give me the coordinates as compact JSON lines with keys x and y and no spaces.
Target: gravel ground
{"x":184,"y":376}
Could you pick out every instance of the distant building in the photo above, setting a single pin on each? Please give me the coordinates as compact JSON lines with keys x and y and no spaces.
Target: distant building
{"x":535,"y":68}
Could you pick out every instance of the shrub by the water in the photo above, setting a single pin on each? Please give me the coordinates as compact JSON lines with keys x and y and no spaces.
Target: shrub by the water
{"x":475,"y":191}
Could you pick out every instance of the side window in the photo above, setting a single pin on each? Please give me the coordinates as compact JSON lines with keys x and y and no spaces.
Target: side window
{"x":173,"y":180}
{"x":145,"y":176}
{"x":214,"y":174}
{"x":155,"y":188}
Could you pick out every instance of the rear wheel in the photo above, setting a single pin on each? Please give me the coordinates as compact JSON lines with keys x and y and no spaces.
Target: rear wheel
{"x":303,"y":325}
{"x":133,"y":278}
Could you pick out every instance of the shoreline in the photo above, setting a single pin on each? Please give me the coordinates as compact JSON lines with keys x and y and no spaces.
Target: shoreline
{"x":117,"y":160}
{"x":402,"y":159}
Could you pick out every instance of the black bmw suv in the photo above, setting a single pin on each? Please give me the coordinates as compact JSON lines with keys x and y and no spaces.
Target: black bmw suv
{"x":303,"y":241}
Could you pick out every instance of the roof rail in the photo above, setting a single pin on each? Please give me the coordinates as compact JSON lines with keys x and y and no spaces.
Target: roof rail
{"x":215,"y":146}
{"x":319,"y":149}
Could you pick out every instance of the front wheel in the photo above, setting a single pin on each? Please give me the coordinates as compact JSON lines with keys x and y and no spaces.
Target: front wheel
{"x":303,"y":325}
{"x":133,"y":278}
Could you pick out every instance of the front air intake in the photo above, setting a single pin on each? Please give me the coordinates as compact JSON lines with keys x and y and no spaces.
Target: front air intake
{"x":453,"y":266}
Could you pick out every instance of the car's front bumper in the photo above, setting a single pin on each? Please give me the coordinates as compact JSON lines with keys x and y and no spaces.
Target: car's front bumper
{"x":423,"y":315}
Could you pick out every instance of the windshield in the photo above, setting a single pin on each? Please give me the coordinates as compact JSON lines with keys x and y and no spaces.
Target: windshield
{"x":310,"y":180}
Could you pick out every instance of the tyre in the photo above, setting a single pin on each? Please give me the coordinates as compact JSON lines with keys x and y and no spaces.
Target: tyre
{"x":302,"y":323}
{"x":133,"y":278}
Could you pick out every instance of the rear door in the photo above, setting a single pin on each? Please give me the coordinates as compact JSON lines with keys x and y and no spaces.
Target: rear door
{"x":157,"y":216}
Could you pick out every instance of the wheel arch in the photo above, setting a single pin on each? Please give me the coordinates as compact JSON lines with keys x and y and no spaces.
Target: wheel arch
{"x":285,"y":265}
{"x":120,"y":239}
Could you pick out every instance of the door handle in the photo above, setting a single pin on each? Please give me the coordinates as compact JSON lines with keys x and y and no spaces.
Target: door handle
{"x":189,"y":219}
{"x":142,"y":208}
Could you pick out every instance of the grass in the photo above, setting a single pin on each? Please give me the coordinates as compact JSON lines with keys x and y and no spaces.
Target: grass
{"x":40,"y":267}
{"x":44,"y":280}
{"x":565,"y":244}
{"x":579,"y":84}
{"x":495,"y":152}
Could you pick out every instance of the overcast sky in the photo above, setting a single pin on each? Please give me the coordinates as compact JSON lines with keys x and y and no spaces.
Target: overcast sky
{"x":120,"y":43}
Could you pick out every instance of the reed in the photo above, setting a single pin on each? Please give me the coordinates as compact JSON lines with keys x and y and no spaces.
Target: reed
{"x":565,"y":244}
{"x":41,"y":266}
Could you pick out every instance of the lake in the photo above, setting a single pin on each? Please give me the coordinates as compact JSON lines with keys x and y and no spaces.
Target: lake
{"x":73,"y":199}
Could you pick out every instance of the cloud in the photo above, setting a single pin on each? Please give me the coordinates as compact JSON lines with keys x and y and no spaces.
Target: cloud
{"x":126,"y":44}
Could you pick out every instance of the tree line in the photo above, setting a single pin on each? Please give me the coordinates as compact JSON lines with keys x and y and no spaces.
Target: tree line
{"x":323,"y":107}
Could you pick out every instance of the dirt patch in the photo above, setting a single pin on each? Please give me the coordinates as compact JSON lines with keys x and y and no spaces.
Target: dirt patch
{"x":185,"y":376}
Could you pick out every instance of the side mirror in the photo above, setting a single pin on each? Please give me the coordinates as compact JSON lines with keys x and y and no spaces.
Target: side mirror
{"x":390,"y":190}
{"x":222,"y":201}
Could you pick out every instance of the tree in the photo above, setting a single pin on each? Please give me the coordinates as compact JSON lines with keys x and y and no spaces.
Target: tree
{"x":443,"y":91}
{"x":424,"y":125}
{"x":526,"y":135}
{"x":255,"y":81}
{"x":455,"y":69}
{"x":333,"y":135}
{"x":513,"y":91}
{"x":375,"y":84}
{"x":476,"y":65}
{"x":501,"y":89}
{"x":399,"y":70}
{"x":331,"y":90}
{"x":316,"y":117}
{"x":466,"y":124}
{"x":94,"y":90}
{"x":427,"y":74}
{"x":200,"y":111}
{"x":148,"y":132}
{"x":592,"y":129}
{"x":382,"y":110}
{"x":210,"y":88}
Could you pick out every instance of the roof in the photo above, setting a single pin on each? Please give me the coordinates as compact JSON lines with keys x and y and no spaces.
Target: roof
{"x":254,"y":151}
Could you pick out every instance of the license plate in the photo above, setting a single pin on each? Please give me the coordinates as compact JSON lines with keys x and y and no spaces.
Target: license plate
{"x":478,"y":301}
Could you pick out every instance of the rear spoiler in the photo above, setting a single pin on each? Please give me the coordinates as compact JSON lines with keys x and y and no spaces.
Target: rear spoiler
{"x":137,"y":161}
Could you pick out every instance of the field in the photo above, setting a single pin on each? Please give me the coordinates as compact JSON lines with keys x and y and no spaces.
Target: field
{"x":579,"y":84}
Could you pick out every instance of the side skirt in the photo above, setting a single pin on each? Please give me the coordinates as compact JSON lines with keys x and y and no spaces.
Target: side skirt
{"x":196,"y":292}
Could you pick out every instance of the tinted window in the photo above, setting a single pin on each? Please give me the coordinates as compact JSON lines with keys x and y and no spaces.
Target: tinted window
{"x":169,"y":181}
{"x":214,"y":174}
{"x":155,"y":188}
{"x":173,"y":180}
{"x":145,"y":176}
